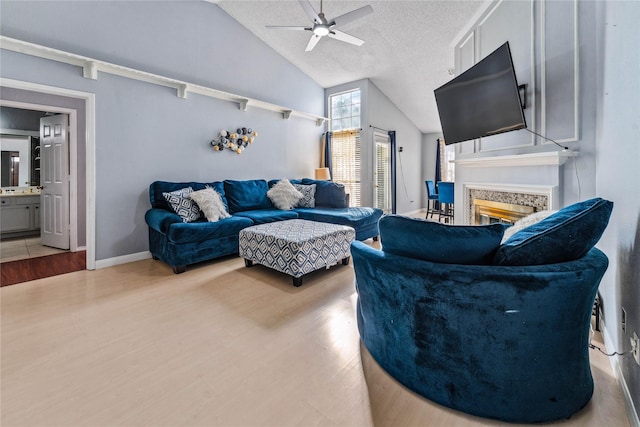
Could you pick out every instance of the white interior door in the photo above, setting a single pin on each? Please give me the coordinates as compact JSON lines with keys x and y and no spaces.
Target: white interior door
{"x":54,"y":178}
{"x":382,"y":173}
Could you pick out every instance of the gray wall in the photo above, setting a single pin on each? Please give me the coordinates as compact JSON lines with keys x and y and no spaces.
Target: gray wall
{"x":378,"y":110}
{"x":409,"y":185}
{"x":618,"y":173}
{"x":145,"y":132}
{"x":552,"y":101}
{"x":429,"y":147}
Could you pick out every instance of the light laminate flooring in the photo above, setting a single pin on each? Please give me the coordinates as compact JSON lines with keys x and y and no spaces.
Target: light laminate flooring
{"x":220,"y":345}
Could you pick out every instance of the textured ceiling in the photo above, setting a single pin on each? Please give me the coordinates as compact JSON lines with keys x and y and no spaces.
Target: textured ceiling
{"x":407,"y":51}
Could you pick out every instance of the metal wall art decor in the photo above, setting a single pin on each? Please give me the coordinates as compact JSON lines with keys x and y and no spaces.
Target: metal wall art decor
{"x":235,"y":141}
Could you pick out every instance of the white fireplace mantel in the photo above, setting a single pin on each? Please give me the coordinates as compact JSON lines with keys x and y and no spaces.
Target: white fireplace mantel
{"x":549,"y":158}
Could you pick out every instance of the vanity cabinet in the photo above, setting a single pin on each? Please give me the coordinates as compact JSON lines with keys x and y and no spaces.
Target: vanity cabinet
{"x":19,"y":214}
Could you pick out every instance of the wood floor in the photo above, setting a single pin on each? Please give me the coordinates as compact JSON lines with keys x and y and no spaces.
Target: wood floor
{"x":220,"y":345}
{"x":25,"y":270}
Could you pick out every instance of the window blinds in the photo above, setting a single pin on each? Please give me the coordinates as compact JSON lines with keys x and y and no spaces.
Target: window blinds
{"x":345,"y":158}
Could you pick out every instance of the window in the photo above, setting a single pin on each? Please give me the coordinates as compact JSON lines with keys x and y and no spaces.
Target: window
{"x":447,"y":166}
{"x":345,"y":110}
{"x":345,"y":142}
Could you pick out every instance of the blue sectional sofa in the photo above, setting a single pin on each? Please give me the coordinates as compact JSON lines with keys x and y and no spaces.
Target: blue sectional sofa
{"x":180,"y":243}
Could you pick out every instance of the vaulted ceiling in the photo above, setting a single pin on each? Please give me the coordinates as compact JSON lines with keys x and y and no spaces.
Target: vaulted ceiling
{"x":407,"y":53}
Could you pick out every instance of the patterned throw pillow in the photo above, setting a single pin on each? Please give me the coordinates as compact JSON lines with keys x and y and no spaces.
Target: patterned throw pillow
{"x":283,"y":195}
{"x":210,"y":203}
{"x":308,"y":192}
{"x":182,"y":204}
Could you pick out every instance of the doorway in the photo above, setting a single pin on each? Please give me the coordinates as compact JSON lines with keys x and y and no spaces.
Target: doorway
{"x":40,"y":199}
{"x":81,"y":107}
{"x":24,"y":257}
{"x":382,"y":173}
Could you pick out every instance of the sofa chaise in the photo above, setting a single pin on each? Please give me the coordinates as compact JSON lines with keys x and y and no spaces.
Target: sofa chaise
{"x":179,"y":243}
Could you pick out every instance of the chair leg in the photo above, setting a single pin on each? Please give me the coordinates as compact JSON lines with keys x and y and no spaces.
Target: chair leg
{"x":432,"y":208}
{"x":445,"y":210}
{"x":429,"y":209}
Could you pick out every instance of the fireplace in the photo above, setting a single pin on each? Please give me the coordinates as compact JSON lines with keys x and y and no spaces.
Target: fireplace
{"x":532,"y":179}
{"x":486,"y":203}
{"x":489,"y":212}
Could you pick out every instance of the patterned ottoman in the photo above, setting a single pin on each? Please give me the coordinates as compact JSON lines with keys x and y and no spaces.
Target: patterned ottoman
{"x":296,"y":246}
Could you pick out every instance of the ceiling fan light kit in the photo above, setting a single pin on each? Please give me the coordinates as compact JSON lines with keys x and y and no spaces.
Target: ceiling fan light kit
{"x":323,"y":27}
{"x":321,"y":30}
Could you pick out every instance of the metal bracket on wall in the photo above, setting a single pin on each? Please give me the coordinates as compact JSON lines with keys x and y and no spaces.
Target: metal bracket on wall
{"x":522,"y":90}
{"x":90,"y":70}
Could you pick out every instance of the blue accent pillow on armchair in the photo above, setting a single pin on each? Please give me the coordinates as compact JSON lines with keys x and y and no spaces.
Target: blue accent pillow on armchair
{"x":441,"y":243}
{"x":564,"y":236}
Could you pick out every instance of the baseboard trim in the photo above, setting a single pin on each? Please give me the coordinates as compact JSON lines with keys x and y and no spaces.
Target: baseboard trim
{"x":632,"y":414}
{"x":111,"y":262}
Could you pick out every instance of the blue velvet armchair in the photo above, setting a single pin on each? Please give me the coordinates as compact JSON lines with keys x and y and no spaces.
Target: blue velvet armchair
{"x":508,"y":342}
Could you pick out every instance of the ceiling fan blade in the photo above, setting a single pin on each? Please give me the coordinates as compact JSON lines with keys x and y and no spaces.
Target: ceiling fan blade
{"x":342,"y":36}
{"x":313,"y":41}
{"x":351,"y":16}
{"x":308,"y":9}
{"x":287,"y":27}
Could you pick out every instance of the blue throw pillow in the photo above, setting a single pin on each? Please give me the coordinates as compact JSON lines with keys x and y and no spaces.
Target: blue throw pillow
{"x":329,"y":194}
{"x":247,"y":195}
{"x":441,"y":243}
{"x":564,"y":236}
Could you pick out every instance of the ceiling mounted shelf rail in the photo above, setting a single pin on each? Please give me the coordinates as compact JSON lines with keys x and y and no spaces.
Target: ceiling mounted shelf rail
{"x":90,"y":68}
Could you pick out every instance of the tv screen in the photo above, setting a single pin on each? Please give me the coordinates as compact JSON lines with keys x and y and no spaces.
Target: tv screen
{"x":482,"y":101}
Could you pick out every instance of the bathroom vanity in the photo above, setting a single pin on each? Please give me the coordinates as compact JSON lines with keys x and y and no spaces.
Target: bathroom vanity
{"x":19,"y":213}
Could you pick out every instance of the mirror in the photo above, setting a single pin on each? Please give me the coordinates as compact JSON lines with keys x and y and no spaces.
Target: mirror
{"x":20,"y":161}
{"x":20,"y":131}
{"x":10,"y":168}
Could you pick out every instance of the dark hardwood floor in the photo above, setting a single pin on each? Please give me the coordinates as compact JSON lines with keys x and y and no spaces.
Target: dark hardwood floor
{"x":24,"y":270}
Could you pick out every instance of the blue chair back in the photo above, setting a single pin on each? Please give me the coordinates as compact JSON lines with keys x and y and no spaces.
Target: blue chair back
{"x":431,"y":190}
{"x":445,"y":192}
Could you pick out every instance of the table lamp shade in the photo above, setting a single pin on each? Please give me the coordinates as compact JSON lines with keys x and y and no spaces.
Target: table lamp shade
{"x":323,"y":174}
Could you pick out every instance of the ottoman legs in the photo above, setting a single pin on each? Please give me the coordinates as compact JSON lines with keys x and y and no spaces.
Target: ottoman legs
{"x":297,"y":281}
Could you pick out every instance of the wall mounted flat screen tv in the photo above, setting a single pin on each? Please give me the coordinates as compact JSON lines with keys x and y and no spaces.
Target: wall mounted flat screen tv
{"x":482,"y":101}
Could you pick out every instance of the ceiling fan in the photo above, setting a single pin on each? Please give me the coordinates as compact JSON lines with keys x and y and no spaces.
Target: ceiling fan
{"x":323,"y":27}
